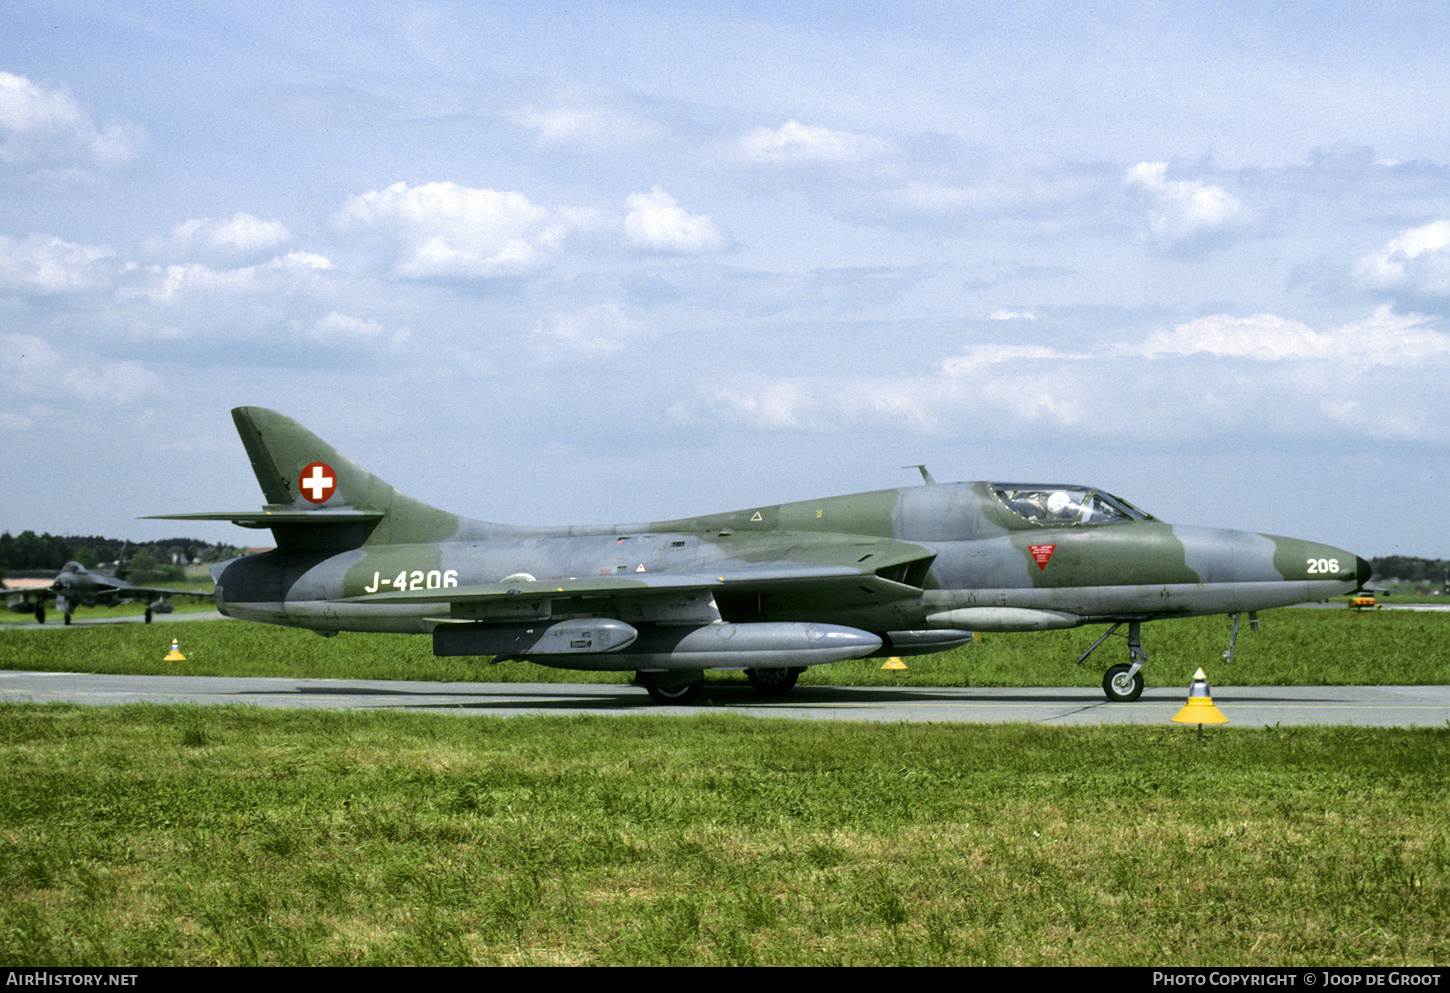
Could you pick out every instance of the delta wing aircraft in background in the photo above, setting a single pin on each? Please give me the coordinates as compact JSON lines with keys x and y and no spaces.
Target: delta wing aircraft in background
{"x":77,"y":586}
{"x":768,"y":589}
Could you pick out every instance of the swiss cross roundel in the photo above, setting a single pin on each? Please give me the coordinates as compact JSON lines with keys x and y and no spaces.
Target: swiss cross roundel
{"x":317,"y":482}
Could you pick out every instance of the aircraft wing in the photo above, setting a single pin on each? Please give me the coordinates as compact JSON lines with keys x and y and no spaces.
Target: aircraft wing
{"x":773,"y":576}
{"x":639,"y":594}
{"x":549,"y":589}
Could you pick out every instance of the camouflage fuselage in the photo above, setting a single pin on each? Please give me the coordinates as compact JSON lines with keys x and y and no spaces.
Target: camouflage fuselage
{"x":921,"y":558}
{"x":770,"y":589}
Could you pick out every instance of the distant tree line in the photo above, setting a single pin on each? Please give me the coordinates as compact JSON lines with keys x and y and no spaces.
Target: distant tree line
{"x":1407,"y":570}
{"x":28,"y":551}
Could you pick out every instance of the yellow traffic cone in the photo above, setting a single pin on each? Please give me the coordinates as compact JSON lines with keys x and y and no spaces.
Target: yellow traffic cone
{"x":175,"y":654}
{"x":1200,"y":709}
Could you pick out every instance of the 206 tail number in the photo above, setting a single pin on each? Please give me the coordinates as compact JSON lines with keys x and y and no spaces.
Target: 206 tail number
{"x":1323,"y":567}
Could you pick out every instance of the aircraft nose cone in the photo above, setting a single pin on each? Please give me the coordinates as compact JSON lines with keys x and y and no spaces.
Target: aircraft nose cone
{"x":1362,"y":570}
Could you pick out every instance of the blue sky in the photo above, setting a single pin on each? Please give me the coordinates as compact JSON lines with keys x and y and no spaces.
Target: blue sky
{"x":545,"y":263}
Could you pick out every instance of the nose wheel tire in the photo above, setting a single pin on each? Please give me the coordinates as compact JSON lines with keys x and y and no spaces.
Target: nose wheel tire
{"x":1120,"y":686}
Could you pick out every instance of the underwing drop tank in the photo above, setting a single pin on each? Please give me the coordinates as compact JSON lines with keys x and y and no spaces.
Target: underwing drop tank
{"x":607,"y":644}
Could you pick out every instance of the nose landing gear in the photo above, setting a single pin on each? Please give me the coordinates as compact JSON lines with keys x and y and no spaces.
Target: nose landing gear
{"x":1123,"y":683}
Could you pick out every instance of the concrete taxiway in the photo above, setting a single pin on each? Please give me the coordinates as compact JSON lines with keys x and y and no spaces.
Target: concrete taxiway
{"x":1245,"y":706}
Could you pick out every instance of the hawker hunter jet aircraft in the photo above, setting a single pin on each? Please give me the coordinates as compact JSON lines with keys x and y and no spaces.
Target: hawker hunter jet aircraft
{"x":77,"y":586}
{"x":768,"y":589}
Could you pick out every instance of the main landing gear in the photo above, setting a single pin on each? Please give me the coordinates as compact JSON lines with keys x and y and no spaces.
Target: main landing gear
{"x":682,"y":687}
{"x":675,"y":686}
{"x":679,"y":695}
{"x":773,"y":682}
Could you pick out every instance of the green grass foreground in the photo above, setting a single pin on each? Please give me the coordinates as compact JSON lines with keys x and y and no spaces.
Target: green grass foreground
{"x":176,"y":835}
{"x":1328,"y":647}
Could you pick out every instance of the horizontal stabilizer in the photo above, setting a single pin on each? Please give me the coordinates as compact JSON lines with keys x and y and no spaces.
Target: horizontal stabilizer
{"x":272,"y":518}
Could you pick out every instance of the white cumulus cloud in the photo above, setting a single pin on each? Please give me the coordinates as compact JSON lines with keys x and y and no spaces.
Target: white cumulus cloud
{"x":654,"y":220}
{"x":794,"y":142}
{"x":977,"y":357}
{"x":49,"y":266}
{"x":241,"y":234}
{"x":47,"y":129}
{"x":337,"y":325}
{"x":447,"y":231}
{"x":1418,"y":260}
{"x":1179,"y":210}
{"x":195,"y":281}
{"x":1263,"y":372}
{"x":1383,"y":339}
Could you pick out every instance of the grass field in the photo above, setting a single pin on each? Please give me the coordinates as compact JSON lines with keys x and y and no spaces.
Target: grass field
{"x":175,"y":835}
{"x":147,"y":835}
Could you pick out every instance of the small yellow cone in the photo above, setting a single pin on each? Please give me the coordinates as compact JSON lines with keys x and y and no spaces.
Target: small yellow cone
{"x":175,"y":654}
{"x":1200,"y":708}
{"x":894,"y":663}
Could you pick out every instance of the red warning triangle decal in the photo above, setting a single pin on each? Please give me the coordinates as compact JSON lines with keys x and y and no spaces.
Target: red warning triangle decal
{"x":1042,"y":553}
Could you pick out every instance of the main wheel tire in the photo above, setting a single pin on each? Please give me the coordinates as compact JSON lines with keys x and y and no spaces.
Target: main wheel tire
{"x":1120,"y":687}
{"x":773,"y":682}
{"x":678,"y":695}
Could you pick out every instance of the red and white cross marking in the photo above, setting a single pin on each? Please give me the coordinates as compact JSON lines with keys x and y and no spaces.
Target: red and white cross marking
{"x":317,"y":482}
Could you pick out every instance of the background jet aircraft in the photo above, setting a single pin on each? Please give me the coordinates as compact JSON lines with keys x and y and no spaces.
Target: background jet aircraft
{"x":768,"y":589}
{"x":78,"y":586}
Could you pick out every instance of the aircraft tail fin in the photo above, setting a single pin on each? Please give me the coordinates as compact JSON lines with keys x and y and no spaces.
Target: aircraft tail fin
{"x":318,"y":498}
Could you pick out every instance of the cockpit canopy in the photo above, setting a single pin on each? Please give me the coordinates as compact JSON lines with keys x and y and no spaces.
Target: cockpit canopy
{"x":1056,"y":504}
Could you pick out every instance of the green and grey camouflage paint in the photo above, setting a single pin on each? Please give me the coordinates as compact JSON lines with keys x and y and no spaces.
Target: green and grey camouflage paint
{"x":770,"y":589}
